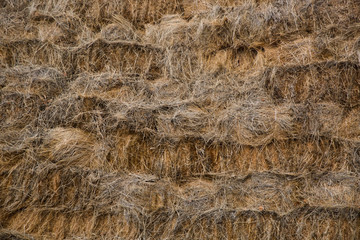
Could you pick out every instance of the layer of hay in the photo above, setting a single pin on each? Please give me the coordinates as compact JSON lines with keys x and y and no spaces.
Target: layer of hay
{"x":65,"y":201}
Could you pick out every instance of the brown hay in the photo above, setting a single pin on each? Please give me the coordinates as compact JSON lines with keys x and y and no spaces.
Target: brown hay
{"x":196,"y":157}
{"x":45,"y":82}
{"x":72,"y":147}
{"x":26,"y":91}
{"x":205,"y":119}
{"x":119,"y":200}
{"x":33,"y":52}
{"x":98,"y":55}
{"x":98,"y":13}
{"x":12,"y":235}
{"x":328,"y":81}
{"x":127,"y":57}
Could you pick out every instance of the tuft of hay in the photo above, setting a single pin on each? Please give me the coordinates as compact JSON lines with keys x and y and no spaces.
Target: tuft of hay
{"x":73,"y":147}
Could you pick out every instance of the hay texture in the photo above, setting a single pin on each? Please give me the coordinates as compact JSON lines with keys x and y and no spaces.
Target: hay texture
{"x":204,"y":119}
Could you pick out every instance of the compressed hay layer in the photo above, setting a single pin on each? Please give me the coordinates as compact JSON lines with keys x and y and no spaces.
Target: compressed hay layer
{"x":248,"y":95}
{"x":116,"y":205}
{"x":43,"y":81}
{"x":343,"y":46}
{"x":33,"y":52}
{"x":98,"y":55}
{"x":304,"y":223}
{"x":14,"y":235}
{"x":97,"y":13}
{"x":186,"y":158}
{"x":126,"y":57}
{"x":246,"y":109}
{"x":329,"y":81}
{"x":237,"y":32}
{"x":248,"y":23}
{"x":206,"y":119}
{"x":195,"y":157}
{"x":92,"y":188}
{"x":18,"y":109}
{"x":25,"y":92}
{"x":245,"y":124}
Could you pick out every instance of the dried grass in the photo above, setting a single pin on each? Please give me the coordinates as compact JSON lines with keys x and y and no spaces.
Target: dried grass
{"x":141,"y":206}
{"x":206,"y":119}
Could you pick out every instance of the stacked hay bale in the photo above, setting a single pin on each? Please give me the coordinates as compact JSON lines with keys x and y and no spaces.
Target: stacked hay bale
{"x":181,"y":119}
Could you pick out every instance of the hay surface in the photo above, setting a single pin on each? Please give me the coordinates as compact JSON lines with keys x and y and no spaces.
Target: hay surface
{"x":226,"y":119}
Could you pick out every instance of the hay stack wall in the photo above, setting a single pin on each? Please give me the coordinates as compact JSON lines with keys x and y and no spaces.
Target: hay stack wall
{"x":204,"y":119}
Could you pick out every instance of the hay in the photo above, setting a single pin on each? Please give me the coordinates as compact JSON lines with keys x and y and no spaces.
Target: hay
{"x":70,"y":147}
{"x":26,"y":91}
{"x":12,"y":235}
{"x":206,"y":119}
{"x":110,"y":202}
{"x":317,"y":82}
